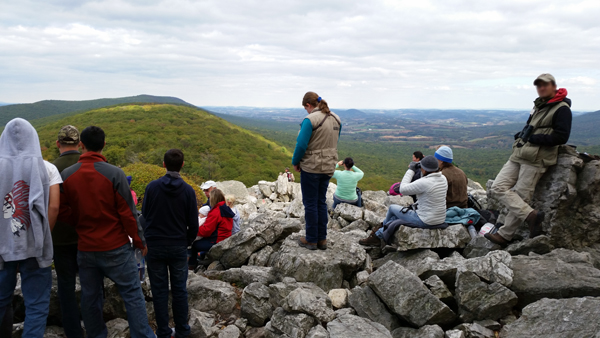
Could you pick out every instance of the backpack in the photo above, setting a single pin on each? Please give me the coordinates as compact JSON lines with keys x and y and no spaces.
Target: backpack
{"x":473,"y":203}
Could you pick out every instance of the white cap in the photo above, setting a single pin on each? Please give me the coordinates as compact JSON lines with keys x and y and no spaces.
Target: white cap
{"x":208,"y":184}
{"x":204,"y":210}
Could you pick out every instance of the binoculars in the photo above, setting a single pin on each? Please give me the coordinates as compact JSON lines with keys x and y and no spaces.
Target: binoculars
{"x":525,"y":134}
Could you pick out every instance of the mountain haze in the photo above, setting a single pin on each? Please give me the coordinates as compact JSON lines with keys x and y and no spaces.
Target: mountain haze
{"x":214,"y":148}
{"x":47,"y":108}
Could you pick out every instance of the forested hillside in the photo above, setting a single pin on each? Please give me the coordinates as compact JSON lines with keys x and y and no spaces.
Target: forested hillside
{"x":46,"y":108}
{"x":214,"y":148}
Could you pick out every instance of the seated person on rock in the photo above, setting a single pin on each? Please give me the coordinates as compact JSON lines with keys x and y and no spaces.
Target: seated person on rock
{"x":428,"y":213}
{"x":230,"y":200}
{"x":215,"y":229}
{"x":457,"y":195}
{"x":347,"y":180}
{"x":417,"y":156}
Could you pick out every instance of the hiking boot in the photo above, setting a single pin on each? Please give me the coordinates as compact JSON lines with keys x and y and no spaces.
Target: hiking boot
{"x":303,"y":243}
{"x":496,"y":239}
{"x":372,"y":240}
{"x":322,"y":245}
{"x":535,"y":219}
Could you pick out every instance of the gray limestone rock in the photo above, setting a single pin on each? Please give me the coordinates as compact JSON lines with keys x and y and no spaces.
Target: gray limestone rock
{"x":478,"y":300}
{"x":356,"y":225}
{"x":493,"y":267}
{"x":378,"y":196}
{"x":318,"y":332}
{"x":557,"y":318}
{"x":244,"y":275}
{"x":475,"y":331}
{"x":405,"y":295}
{"x":537,"y":277}
{"x":378,"y":209}
{"x":211,"y":295}
{"x":261,"y":257}
{"x":372,"y":218}
{"x":416,"y":261}
{"x":349,"y":326}
{"x":296,"y":325}
{"x":540,"y":245}
{"x":454,"y":334}
{"x":256,"y":306}
{"x":339,"y":298}
{"x":202,"y":324}
{"x":427,"y":331}
{"x":326,"y":268}
{"x":403,"y":201}
{"x":310,"y":301}
{"x":349,"y":212}
{"x":117,"y":328}
{"x":235,"y":250}
{"x":368,"y":305}
{"x":230,"y":331}
{"x":453,"y":237}
{"x":479,"y":246}
{"x":438,"y":288}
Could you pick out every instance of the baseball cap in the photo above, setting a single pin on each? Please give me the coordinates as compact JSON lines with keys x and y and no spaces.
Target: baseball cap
{"x":208,"y":184}
{"x":545,"y":78}
{"x":68,"y":135}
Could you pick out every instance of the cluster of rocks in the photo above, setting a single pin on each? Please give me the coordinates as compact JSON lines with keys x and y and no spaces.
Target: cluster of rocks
{"x":428,"y":283}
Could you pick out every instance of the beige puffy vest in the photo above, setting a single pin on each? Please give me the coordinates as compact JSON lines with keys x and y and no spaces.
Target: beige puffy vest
{"x":321,"y":154}
{"x":532,"y":154}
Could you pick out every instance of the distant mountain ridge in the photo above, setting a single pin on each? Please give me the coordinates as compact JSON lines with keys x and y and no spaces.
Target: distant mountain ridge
{"x":47,"y":108}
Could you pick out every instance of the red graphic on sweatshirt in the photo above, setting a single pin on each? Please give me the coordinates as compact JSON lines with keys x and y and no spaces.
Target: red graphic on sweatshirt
{"x":16,"y":207}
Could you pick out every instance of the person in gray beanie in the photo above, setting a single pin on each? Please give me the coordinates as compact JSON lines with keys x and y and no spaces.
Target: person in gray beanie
{"x":428,"y":213}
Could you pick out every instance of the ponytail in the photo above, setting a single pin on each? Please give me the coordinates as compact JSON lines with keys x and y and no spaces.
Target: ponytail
{"x":316,"y":101}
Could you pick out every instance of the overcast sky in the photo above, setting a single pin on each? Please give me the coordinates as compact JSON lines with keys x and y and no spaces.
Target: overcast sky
{"x":355,"y":54}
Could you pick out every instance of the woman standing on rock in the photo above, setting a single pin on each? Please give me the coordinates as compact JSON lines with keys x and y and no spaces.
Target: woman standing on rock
{"x":315,"y":157}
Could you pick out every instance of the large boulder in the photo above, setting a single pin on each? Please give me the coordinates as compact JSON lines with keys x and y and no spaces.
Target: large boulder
{"x":235,"y":188}
{"x":539,"y":245}
{"x":256,"y":307}
{"x":479,"y":300}
{"x":211,"y":295}
{"x":368,"y":305}
{"x":416,"y":261}
{"x":326,"y":268}
{"x":479,"y":246}
{"x":378,"y":196}
{"x":295,"y":325}
{"x":453,"y":237}
{"x":349,"y":212}
{"x":560,"y":274}
{"x":557,"y":318}
{"x":310,"y":301}
{"x":279,"y":291}
{"x":407,"y":296}
{"x":245,"y":275}
{"x":202,"y":324}
{"x":349,"y":326}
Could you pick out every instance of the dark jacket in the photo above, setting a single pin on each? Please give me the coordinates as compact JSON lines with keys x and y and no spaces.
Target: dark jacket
{"x":218,"y":224}
{"x":95,"y":197}
{"x":457,"y":195}
{"x":170,"y":210}
{"x":561,"y":125}
{"x":63,"y":233}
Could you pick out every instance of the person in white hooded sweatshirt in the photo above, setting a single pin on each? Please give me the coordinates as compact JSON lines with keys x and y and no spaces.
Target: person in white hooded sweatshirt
{"x":25,"y":238}
{"x":429,"y":212}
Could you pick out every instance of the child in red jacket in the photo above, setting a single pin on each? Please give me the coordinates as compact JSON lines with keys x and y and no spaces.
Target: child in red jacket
{"x":216,"y":228}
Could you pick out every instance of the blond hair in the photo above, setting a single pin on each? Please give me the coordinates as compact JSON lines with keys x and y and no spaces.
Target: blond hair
{"x":315,"y":100}
{"x":229,"y":199}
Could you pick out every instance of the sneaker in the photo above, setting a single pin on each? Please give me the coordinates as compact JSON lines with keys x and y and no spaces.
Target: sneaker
{"x":535,"y":220}
{"x":322,"y":245}
{"x":303,"y":243}
{"x":496,"y":239}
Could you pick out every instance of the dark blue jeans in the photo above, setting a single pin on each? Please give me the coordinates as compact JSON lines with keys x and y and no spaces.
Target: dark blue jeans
{"x":169,"y":263}
{"x":202,"y":245}
{"x":337,"y":201}
{"x":36,"y":283}
{"x":120,"y":266}
{"x":65,"y":264}
{"x":314,"y":197}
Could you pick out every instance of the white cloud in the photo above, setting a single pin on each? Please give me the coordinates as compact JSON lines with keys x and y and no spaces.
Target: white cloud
{"x":399,"y":54}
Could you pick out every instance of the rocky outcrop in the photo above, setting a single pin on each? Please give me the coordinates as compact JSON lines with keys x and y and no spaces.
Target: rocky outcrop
{"x":211,"y":295}
{"x":368,"y":305}
{"x":256,"y":307}
{"x":349,"y":326}
{"x":479,"y":300}
{"x":427,"y":331}
{"x":557,"y":318}
{"x":326,"y":268}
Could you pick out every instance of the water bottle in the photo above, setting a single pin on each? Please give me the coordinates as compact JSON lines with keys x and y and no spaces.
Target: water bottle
{"x":472,"y":231}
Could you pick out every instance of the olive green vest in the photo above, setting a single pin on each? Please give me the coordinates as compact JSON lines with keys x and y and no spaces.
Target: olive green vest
{"x":321,"y":154}
{"x":533,"y":154}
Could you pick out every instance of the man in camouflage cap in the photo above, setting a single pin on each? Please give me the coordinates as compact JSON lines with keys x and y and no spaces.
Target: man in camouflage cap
{"x":64,"y":238}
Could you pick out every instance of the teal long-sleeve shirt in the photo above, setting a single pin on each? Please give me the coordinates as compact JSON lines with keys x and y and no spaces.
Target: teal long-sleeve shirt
{"x":346,"y":183}
{"x":306,"y":130}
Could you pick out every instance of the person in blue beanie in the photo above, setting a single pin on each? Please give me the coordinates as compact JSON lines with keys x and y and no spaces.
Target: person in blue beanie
{"x":457,"y":195}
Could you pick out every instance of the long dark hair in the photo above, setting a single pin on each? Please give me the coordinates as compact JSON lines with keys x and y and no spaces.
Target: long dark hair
{"x":349,"y":162}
